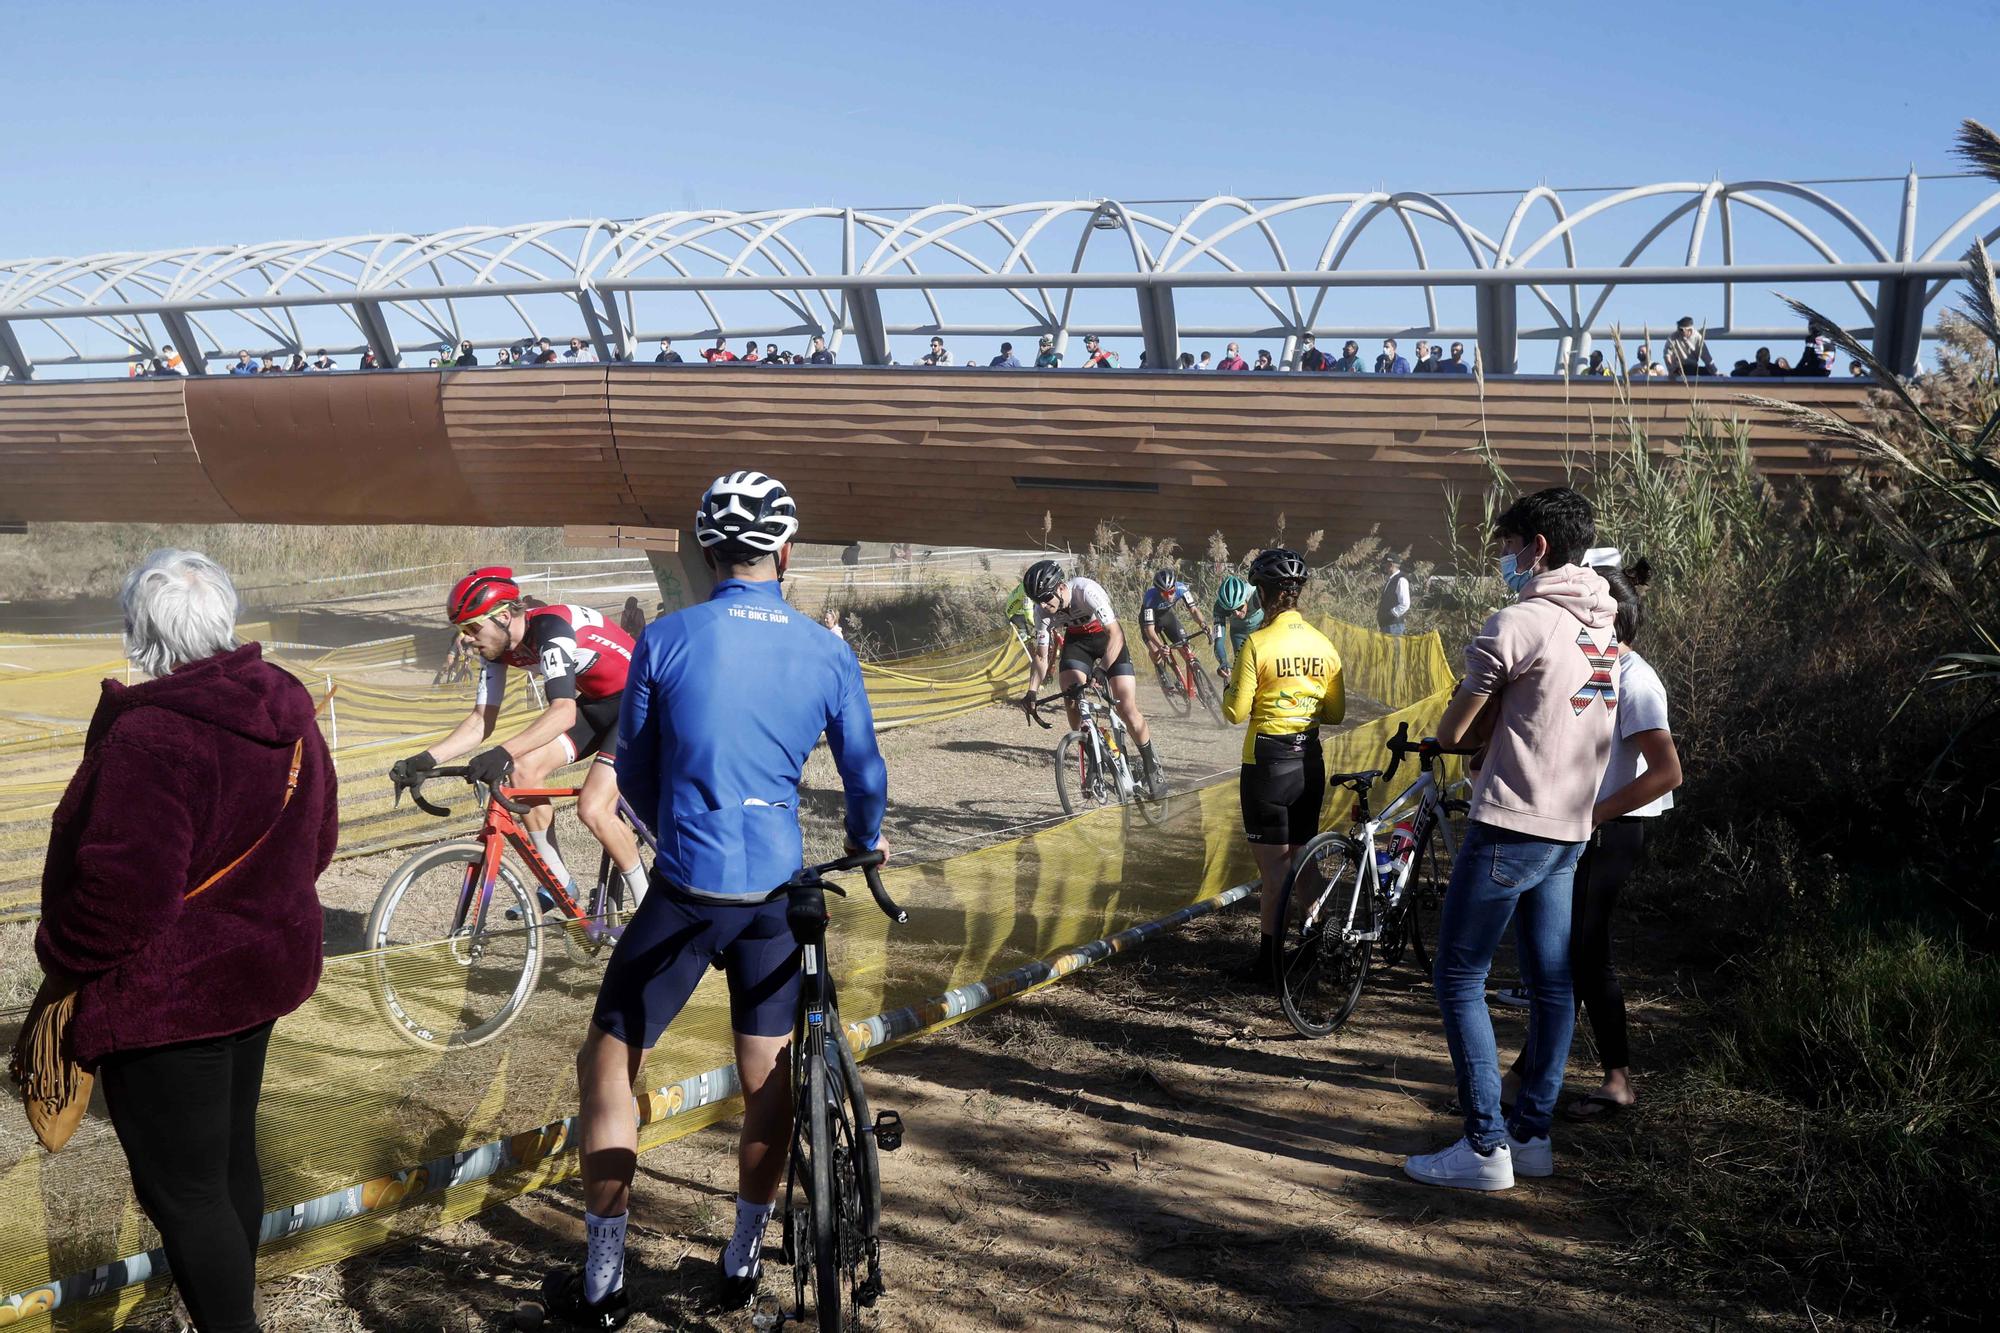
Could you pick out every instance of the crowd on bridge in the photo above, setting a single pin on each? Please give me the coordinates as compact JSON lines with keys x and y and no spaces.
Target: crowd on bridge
{"x":1685,"y":355}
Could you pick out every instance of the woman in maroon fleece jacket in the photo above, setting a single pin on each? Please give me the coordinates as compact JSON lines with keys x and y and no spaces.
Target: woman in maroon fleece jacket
{"x":181,"y":775}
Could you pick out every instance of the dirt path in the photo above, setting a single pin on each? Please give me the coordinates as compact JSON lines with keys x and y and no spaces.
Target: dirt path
{"x":1141,"y":1147}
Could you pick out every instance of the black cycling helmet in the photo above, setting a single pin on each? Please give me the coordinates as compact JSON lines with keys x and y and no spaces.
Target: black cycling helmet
{"x":1279,"y":567}
{"x":1165,"y":580}
{"x":1041,"y":579}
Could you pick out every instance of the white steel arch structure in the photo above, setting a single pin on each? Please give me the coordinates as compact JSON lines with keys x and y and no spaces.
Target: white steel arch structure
{"x":824,"y":270}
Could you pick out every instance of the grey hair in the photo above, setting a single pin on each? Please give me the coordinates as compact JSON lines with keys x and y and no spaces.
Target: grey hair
{"x":179,"y":607}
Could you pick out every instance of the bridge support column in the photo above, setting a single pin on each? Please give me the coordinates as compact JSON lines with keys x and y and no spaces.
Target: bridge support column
{"x":683,"y":575}
{"x":13,"y":355}
{"x":871,"y":340}
{"x":376,"y":330}
{"x":1158,"y":327}
{"x":1497,"y":318}
{"x":1899,"y":324}
{"x":181,"y":329}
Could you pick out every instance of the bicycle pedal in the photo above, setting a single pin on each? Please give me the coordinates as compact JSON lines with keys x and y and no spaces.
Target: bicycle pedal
{"x":888,"y":1131}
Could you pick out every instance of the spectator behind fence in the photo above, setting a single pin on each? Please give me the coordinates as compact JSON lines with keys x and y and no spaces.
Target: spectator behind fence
{"x":545,"y":353}
{"x":1639,"y":780}
{"x":1005,"y":361}
{"x":1264,"y":361}
{"x":718,"y":353}
{"x":667,"y":355}
{"x":1310,"y":357}
{"x":178,"y":896}
{"x":772,"y":357}
{"x":1541,"y":674}
{"x":169,"y":361}
{"x":1232,"y":359}
{"x":1596,"y":367}
{"x":1420,"y":363}
{"x":937,"y":356}
{"x":818,"y":355}
{"x":1207,"y":362}
{"x":1855,"y":370}
{"x":1455,"y":366}
{"x":1187,"y":361}
{"x":1643,"y":365}
{"x":1046,"y":355}
{"x":243,"y":365}
{"x":749,"y":351}
{"x":270,"y":366}
{"x":1389,"y":363}
{"x":323,"y":362}
{"x":466,"y":356}
{"x":1392,"y":605}
{"x":580,"y":352}
{"x":1095,"y":357}
{"x":368,"y":361}
{"x":1817,"y":360}
{"x":503,"y":357}
{"x":632,"y":619}
{"x":1349,"y":361}
{"x":1687,"y":351}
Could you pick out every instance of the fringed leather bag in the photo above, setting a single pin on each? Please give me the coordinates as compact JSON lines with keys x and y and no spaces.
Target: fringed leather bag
{"x":54,"y":1088}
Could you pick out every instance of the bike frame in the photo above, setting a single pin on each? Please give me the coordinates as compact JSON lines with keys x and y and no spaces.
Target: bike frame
{"x":1426,"y":797}
{"x":1091,"y":725}
{"x":502,"y":829}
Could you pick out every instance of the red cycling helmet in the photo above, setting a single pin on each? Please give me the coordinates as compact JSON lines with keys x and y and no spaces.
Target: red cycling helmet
{"x":480,"y":593}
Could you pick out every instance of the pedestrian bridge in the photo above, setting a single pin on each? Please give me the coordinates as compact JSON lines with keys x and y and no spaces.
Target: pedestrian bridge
{"x":999,"y":458}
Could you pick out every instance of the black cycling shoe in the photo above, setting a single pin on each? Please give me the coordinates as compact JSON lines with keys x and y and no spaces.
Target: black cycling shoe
{"x":563,"y":1305}
{"x":738,"y":1292}
{"x":1255,"y":970}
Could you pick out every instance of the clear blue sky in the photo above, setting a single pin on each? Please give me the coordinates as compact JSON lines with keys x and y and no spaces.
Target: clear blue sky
{"x":140,"y":126}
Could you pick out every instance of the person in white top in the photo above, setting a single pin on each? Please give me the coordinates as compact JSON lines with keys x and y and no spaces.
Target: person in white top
{"x":1638,"y":786}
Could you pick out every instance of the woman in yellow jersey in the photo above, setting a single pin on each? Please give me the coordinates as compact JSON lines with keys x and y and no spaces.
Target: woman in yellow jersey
{"x":1286,"y":683}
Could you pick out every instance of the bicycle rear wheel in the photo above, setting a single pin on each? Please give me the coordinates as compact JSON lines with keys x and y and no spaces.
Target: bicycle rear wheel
{"x":825,"y":1193}
{"x":468,"y":991}
{"x":1319,"y":970}
{"x":1210,"y":694}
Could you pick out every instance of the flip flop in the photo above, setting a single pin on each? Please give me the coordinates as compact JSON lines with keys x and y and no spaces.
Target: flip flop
{"x":1576,"y":1115}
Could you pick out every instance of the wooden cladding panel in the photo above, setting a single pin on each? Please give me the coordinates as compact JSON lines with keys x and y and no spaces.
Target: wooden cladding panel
{"x":916,"y":455}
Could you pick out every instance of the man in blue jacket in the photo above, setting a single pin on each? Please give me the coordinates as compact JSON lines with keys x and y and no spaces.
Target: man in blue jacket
{"x":1389,"y":363}
{"x":723,"y":703}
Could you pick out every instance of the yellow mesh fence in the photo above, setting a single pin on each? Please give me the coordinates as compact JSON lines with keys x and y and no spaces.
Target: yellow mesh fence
{"x":366,"y":1137}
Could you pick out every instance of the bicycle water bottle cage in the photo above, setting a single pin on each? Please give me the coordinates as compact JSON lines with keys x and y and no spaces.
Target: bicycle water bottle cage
{"x":805,"y":913}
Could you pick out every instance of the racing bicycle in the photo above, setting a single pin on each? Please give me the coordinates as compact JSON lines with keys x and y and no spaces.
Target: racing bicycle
{"x":467,"y":893}
{"x":833,"y":1180}
{"x":1346,"y":898}
{"x":1096,"y":764}
{"x":1186,"y":683}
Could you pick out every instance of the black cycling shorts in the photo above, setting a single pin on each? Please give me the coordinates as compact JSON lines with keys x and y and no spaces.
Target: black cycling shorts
{"x":1284,"y":790}
{"x":595,"y":731}
{"x":673,"y":939}
{"x":1168,"y":626}
{"x":1081,"y":652}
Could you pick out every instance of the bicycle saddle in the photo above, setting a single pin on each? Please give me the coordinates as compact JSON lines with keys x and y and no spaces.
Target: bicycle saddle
{"x":1355,"y":780}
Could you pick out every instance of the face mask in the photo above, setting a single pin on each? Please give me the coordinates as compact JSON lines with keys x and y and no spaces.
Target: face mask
{"x":1515,"y":577}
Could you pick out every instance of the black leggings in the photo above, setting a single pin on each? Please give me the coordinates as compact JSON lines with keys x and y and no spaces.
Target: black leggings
{"x":186,"y":1116}
{"x":1608,"y":860}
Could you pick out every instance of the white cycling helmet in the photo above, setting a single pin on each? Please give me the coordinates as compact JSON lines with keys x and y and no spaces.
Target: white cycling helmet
{"x":745,"y":512}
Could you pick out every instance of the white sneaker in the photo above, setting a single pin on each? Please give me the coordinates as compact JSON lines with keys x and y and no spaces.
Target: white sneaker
{"x":1514,"y":997}
{"x":1461,"y":1167}
{"x":1532,"y":1157}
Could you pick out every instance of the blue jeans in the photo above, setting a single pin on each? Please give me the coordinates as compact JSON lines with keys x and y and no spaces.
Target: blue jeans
{"x":1502,"y":875}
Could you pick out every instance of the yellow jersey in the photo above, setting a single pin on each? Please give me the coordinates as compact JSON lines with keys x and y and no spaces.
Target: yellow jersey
{"x":1286,"y":681}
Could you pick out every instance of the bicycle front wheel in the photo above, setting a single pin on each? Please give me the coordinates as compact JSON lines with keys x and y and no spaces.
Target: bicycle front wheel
{"x":825,"y":1201}
{"x":1319,"y":969}
{"x":1174,"y":688}
{"x":1081,"y":782}
{"x":1210,"y":694}
{"x":446,"y":975}
{"x":1424,"y":898}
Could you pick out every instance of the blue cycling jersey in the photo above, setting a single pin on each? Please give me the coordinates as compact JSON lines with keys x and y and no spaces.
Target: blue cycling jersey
{"x":723,"y":703}
{"x":1160,"y":603}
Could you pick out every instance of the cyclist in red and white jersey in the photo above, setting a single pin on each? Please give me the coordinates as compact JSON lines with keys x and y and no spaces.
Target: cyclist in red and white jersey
{"x":582,"y":661}
{"x":1081,"y":610}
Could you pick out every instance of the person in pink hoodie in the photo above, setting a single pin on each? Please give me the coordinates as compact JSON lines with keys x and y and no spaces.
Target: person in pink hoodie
{"x":1541,"y":680}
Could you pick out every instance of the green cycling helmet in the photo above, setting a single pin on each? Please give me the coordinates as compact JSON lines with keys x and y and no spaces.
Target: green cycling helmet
{"x":1232,"y":593}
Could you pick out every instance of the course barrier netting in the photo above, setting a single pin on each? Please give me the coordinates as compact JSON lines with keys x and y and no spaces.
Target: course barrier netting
{"x":369,"y":727}
{"x":366,"y":1139}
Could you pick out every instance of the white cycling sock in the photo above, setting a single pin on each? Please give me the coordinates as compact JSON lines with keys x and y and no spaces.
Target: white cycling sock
{"x":635,"y":885}
{"x":746,"y":1247}
{"x":545,"y":846}
{"x":604,"y":1257}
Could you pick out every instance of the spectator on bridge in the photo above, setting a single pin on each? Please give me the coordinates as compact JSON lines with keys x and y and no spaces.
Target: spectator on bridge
{"x":466,"y":356}
{"x":1687,"y":351}
{"x":1232,"y":359}
{"x":1310,"y":357}
{"x":818,"y":355}
{"x":1781,"y":367}
{"x":1420,"y":364}
{"x":324,"y":362}
{"x":1597,"y":368}
{"x":178,"y":904}
{"x":937,"y":356}
{"x":1349,"y":360}
{"x":1264,"y":361}
{"x":368,"y":361}
{"x":580,"y":352}
{"x":1046,"y":355}
{"x":1435,"y":360}
{"x":297,"y":365}
{"x":1643,"y":365}
{"x":718,"y":353}
{"x":1855,"y":370}
{"x":1455,"y":366}
{"x":168,"y":362}
{"x":545,"y":353}
{"x":243,"y":365}
{"x":1005,"y":361}
{"x":270,"y":366}
{"x":1206,"y":362}
{"x":1095,"y":357}
{"x":503,"y":357}
{"x":1817,"y":360}
{"x":1389,"y":363}
{"x":772,"y":356}
{"x":749,"y":351}
{"x":667,"y":355}
{"x":1187,"y":361}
